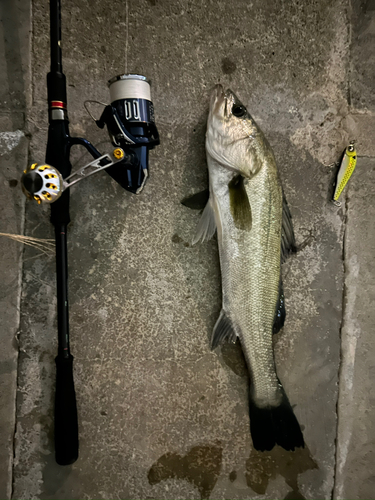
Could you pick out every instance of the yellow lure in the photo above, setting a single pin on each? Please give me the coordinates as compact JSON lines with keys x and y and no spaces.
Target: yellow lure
{"x":347,"y":167}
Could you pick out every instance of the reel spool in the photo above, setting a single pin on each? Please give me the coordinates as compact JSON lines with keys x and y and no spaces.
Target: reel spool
{"x":42,"y":183}
{"x":131,"y":125}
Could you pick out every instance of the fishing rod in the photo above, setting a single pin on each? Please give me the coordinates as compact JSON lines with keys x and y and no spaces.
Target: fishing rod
{"x":130,"y":122}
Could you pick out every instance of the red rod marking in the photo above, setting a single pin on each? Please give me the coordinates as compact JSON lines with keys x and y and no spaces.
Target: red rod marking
{"x":58,"y":104}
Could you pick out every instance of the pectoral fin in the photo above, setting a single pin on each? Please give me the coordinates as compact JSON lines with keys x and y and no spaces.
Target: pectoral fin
{"x":239,"y":204}
{"x":207,"y":226}
{"x":288,"y":241}
{"x":197,"y":201}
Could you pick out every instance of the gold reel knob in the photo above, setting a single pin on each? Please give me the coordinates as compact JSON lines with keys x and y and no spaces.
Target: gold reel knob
{"x":42,"y":183}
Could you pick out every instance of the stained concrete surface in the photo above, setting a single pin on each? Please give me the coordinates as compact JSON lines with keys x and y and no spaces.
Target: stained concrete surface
{"x":356,"y":449}
{"x":160,"y":415}
{"x":356,"y":404}
{"x":13,"y":152}
{"x":14,"y":79}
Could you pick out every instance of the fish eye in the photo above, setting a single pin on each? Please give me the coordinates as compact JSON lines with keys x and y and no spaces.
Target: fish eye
{"x":238,"y":110}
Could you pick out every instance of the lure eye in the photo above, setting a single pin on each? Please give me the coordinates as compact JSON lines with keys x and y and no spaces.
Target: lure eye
{"x":351,"y":148}
{"x":239,"y":110}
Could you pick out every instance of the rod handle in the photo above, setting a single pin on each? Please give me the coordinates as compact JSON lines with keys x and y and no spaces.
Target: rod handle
{"x":66,"y":418}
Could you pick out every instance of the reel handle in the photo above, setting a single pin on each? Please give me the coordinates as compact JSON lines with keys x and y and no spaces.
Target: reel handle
{"x":66,"y":418}
{"x":45,"y":184}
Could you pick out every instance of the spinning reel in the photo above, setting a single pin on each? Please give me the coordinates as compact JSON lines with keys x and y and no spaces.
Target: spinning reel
{"x":131,"y":126}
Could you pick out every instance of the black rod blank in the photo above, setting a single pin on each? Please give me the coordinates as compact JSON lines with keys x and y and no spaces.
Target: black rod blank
{"x":55,"y":35}
{"x":57,"y":154}
{"x":62,"y":290}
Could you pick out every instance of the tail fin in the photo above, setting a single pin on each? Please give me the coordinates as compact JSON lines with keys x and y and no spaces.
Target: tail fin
{"x":275,"y":425}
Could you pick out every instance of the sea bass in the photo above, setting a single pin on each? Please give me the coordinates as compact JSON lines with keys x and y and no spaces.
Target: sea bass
{"x":255,"y":234}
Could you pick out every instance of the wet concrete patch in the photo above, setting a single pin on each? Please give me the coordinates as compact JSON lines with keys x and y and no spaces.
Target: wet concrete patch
{"x":200,"y":466}
{"x":177,"y":239}
{"x":228,"y":66}
{"x":261,"y":467}
{"x":232,"y":476}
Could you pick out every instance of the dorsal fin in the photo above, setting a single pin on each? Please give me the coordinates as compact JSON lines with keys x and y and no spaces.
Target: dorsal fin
{"x":280,"y":312}
{"x":288,"y":241}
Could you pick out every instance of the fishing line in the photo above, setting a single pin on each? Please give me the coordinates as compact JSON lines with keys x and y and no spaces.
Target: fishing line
{"x":93,"y":101}
{"x":126,"y":35}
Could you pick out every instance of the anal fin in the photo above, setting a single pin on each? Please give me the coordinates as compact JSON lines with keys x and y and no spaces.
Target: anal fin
{"x":223,"y":331}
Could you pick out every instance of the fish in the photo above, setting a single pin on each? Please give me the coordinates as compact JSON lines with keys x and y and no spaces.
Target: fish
{"x":248,"y":209}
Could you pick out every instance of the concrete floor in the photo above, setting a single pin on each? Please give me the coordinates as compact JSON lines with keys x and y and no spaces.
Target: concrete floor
{"x":161,"y":416}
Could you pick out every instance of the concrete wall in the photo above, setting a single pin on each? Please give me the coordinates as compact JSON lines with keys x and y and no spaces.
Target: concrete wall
{"x":160,"y":415}
{"x":15,"y":84}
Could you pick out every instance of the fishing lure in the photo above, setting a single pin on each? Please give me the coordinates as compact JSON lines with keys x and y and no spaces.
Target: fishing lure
{"x":347,"y":167}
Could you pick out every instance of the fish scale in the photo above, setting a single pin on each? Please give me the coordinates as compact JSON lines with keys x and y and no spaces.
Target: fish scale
{"x":250,"y":274}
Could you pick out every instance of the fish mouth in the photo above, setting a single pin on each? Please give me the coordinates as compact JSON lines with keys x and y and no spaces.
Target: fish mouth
{"x":217,"y":98}
{"x":217,"y":93}
{"x":221,"y":101}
